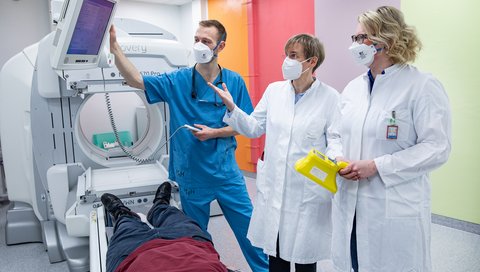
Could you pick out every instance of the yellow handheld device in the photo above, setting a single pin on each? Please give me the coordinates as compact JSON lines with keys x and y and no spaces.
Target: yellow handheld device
{"x":320,"y":168}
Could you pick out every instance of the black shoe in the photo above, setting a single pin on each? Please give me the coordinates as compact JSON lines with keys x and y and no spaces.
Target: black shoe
{"x":163,"y":194}
{"x":115,"y":206}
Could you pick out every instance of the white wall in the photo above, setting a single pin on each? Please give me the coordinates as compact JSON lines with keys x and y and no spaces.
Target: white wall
{"x":335,"y":22}
{"x":191,"y":14}
{"x":22,"y":23}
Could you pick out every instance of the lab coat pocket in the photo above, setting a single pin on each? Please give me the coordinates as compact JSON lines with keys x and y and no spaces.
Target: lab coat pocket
{"x":315,"y":136}
{"x":404,"y":200}
{"x":261,"y":181}
{"x":394,"y":129}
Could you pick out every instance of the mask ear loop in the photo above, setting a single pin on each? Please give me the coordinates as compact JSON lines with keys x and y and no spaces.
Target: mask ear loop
{"x":306,"y":61}
{"x":378,"y":49}
{"x":218,"y":44}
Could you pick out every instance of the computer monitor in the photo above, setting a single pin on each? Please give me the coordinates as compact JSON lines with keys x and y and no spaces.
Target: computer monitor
{"x":81,"y":32}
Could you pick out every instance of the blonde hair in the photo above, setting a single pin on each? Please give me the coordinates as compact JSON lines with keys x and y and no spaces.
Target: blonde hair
{"x":387,"y":26}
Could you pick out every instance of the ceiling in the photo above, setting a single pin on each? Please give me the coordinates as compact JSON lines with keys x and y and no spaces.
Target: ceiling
{"x":166,"y":2}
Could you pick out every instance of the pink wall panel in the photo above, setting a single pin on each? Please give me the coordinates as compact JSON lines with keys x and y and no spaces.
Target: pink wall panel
{"x":335,"y":22}
{"x":271,"y":24}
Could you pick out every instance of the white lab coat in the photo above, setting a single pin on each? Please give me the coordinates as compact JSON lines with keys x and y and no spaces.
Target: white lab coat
{"x":288,"y":204}
{"x":392,"y":207}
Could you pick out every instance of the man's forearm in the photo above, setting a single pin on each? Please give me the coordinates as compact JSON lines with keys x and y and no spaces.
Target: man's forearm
{"x":129,"y":72}
{"x":225,"y":132}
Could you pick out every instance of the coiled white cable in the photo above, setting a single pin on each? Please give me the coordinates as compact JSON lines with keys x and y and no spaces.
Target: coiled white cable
{"x":117,"y":137}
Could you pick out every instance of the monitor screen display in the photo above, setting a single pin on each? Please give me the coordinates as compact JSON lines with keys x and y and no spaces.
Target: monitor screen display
{"x":91,"y":25}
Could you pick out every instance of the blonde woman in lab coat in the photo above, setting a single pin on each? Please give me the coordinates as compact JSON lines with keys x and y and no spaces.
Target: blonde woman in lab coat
{"x":291,"y":219}
{"x":395,"y":129}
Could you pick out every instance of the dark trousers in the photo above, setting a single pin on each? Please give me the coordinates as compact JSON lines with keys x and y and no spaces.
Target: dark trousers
{"x":353,"y":245}
{"x":277,"y":264}
{"x":169,"y":223}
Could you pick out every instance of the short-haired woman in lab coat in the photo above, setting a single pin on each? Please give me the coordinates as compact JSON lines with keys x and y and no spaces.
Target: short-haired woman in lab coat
{"x":395,"y":129}
{"x":291,"y":219}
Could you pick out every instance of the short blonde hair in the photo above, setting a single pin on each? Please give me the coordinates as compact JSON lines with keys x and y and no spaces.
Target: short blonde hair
{"x":312,"y":47}
{"x":387,"y":26}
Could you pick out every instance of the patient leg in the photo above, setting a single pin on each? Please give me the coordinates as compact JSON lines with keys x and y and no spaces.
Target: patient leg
{"x":129,"y":233}
{"x":170,"y":222}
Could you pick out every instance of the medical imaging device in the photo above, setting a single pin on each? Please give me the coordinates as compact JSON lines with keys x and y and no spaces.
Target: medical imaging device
{"x":55,"y":172}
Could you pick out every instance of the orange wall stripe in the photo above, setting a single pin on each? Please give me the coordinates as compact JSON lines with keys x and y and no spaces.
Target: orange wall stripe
{"x":233,"y":15}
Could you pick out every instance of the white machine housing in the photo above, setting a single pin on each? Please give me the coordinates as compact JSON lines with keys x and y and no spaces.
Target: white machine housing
{"x":54,"y":174}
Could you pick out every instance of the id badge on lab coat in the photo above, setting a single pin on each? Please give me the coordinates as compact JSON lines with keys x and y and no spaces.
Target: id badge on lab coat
{"x":392,"y":128}
{"x":392,"y":132}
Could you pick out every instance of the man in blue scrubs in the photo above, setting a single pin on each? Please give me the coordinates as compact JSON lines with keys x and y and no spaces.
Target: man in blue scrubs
{"x":202,"y":163}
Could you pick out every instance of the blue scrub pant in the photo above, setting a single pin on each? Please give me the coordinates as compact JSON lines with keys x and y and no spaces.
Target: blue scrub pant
{"x":237,"y":208}
{"x":169,"y":223}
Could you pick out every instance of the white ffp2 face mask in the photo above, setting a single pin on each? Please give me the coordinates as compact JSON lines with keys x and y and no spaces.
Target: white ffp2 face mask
{"x":202,"y":53}
{"x":362,"y":53}
{"x":292,"y":69}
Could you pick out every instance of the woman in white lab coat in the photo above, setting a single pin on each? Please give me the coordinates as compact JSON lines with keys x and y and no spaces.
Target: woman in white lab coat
{"x":291,"y":219}
{"x":395,"y":129}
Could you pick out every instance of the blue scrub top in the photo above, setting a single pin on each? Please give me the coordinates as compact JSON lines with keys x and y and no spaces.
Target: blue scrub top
{"x":193,"y":163}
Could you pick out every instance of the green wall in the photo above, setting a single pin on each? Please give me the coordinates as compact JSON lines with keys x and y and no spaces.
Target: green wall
{"x":450,"y":32}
